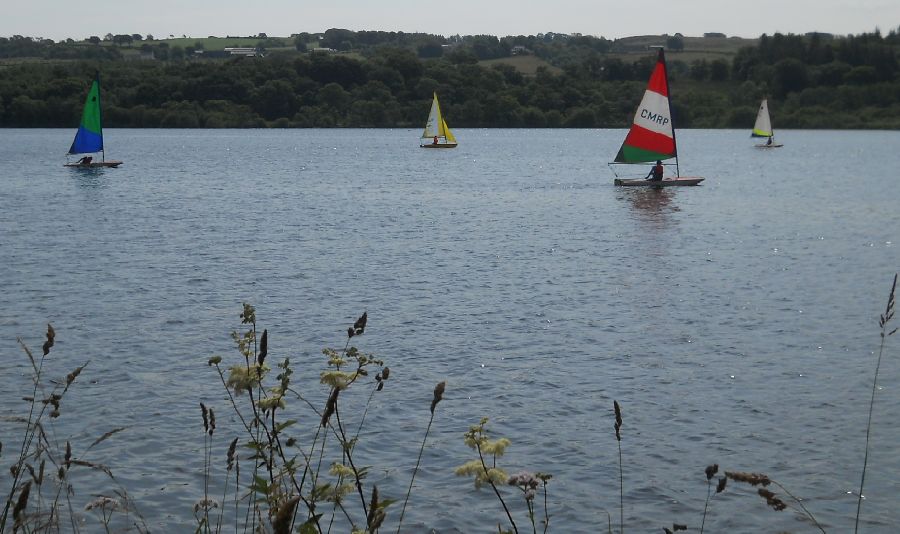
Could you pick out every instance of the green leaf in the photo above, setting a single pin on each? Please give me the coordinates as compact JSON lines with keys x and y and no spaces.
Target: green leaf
{"x":310,"y":526}
{"x":260,"y":485}
{"x":281,"y":426}
{"x":255,"y":445}
{"x":320,"y":492}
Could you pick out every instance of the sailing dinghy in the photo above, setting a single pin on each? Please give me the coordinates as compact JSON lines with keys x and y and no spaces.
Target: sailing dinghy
{"x":763,"y":127}
{"x":652,"y":134}
{"x":437,"y":134}
{"x":89,"y":138}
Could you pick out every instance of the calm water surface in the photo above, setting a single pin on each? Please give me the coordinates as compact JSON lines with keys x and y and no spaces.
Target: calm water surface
{"x":736,"y":323}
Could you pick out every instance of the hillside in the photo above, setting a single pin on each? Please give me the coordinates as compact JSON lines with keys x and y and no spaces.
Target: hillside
{"x":385,"y":79}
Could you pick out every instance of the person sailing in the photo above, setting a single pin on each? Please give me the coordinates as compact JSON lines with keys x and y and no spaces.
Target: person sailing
{"x":656,"y":173}
{"x":86,"y":160}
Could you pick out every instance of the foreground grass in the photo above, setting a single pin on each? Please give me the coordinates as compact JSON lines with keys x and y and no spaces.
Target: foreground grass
{"x":279,"y":476}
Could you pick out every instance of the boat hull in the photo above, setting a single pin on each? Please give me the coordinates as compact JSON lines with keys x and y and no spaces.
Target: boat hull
{"x":94,"y":164}
{"x":440,"y":145}
{"x":769,"y":146}
{"x":668,"y":182}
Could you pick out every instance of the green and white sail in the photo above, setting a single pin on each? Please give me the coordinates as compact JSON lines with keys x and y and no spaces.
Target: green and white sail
{"x":763,"y":125}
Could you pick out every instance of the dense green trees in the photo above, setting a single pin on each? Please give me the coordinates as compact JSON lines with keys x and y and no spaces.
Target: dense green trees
{"x":812,"y":81}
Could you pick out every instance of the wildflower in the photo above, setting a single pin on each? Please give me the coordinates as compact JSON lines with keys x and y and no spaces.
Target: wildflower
{"x":525,"y":481}
{"x":270,"y":403}
{"x":205,"y":504}
{"x":475,"y":469}
{"x":242,"y":378}
{"x":337,"y":379}
{"x":102,"y":502}
{"x":341,"y":470}
{"x":496,"y":447}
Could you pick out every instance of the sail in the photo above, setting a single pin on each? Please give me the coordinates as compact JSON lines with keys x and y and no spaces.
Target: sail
{"x":437,"y":126}
{"x":652,"y":135}
{"x":434,"y":126}
{"x":447,"y":132}
{"x":763,"y":126}
{"x":89,"y":138}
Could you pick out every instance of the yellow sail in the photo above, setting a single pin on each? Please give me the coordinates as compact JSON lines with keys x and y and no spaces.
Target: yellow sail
{"x":447,"y":132}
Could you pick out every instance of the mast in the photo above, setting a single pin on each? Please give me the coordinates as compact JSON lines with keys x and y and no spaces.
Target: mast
{"x":662,"y":59}
{"x":100,"y":113}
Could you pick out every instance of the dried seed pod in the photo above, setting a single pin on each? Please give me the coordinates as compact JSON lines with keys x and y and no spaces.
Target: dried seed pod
{"x":438,"y":395}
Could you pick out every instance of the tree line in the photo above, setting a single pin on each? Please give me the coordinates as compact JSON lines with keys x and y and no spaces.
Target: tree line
{"x":386,"y":79}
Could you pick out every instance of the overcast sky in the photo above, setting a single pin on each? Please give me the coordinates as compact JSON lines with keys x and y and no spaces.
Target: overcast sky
{"x":59,"y":19}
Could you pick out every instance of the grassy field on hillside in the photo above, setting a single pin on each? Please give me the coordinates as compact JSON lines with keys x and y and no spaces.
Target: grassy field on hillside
{"x":214,"y":43}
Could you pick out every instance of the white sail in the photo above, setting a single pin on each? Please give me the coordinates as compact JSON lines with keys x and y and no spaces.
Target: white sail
{"x":763,"y":126}
{"x":433,"y":124}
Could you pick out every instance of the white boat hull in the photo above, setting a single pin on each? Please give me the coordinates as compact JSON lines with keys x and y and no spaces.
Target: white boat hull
{"x":439,"y":145}
{"x":666,"y":182}
{"x":94,"y":164}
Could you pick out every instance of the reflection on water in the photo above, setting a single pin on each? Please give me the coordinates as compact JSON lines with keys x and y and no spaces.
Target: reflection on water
{"x":651,"y":204}
{"x":89,"y":176}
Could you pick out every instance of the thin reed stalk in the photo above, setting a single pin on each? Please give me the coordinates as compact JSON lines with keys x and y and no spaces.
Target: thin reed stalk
{"x":800,"y":504}
{"x":618,"y":426}
{"x":29,"y":426}
{"x":883,"y":323}
{"x":438,"y":395}
{"x":710,"y":472}
{"x":494,"y":487}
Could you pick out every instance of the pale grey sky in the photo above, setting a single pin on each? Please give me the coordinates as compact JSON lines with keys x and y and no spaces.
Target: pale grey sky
{"x":59,"y":19}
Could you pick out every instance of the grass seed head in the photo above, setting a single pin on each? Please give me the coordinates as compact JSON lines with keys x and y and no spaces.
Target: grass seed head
{"x":438,"y":395}
{"x":51,"y":336}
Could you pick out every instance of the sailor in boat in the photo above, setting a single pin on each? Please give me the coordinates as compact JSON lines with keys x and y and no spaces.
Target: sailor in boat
{"x":769,"y":141}
{"x":656,"y":173}
{"x":435,"y":140}
{"x":86,"y":160}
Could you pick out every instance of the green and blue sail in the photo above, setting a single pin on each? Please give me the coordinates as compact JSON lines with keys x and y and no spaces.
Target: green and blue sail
{"x":89,"y":138}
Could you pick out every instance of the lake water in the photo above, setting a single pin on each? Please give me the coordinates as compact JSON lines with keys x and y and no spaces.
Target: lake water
{"x":736,"y":322}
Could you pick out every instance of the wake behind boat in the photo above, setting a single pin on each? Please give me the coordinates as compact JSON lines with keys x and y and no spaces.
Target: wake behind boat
{"x":652,"y":134}
{"x":763,"y":127}
{"x":89,"y":137}
{"x":437,"y":134}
